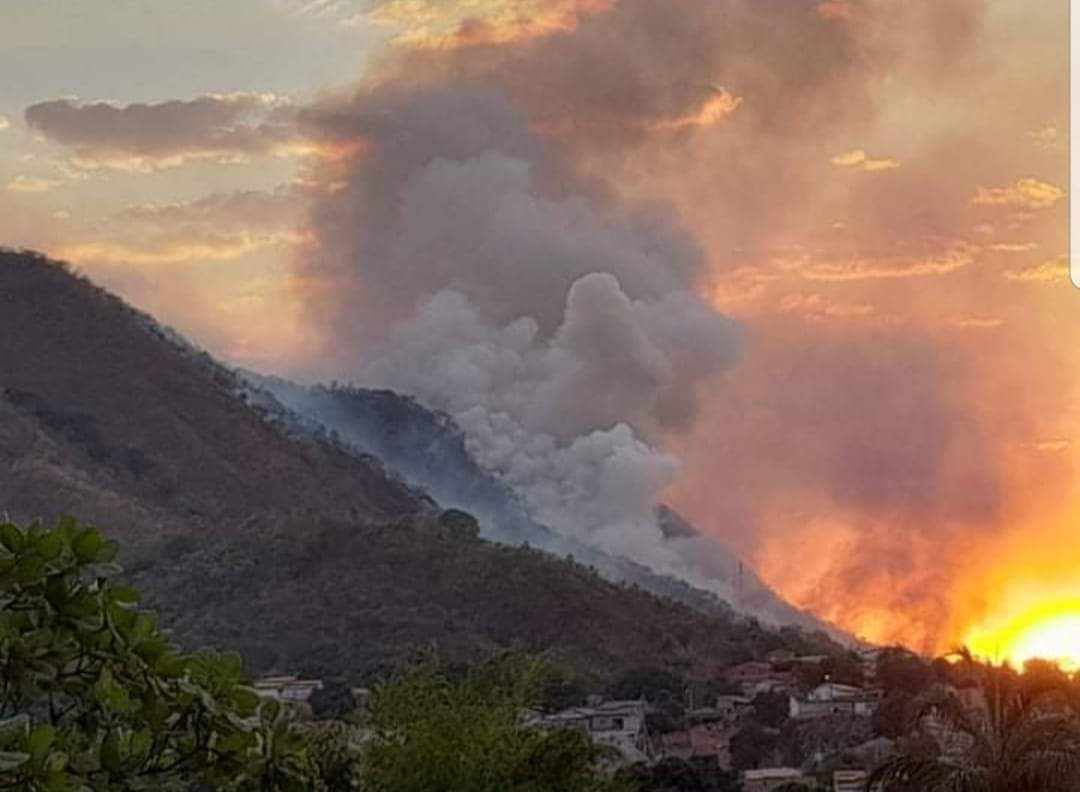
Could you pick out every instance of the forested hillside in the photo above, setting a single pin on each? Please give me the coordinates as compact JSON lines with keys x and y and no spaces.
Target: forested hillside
{"x":287,"y":545}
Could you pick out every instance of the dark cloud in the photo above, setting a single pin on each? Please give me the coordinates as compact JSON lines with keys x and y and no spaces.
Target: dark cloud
{"x":140,"y":135}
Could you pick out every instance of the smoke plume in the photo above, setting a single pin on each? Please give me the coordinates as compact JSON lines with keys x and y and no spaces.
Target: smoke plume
{"x":543,"y":231}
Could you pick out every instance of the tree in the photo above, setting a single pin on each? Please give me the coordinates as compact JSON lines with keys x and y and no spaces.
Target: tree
{"x":892,"y":718}
{"x":431,"y":732}
{"x":651,"y":684}
{"x":93,"y":697}
{"x":752,"y":746}
{"x":681,"y":775}
{"x":771,"y":709}
{"x":1022,"y":740}
{"x":899,"y":669}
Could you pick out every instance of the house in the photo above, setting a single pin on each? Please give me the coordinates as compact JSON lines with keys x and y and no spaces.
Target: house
{"x":767,"y":779}
{"x":850,"y":780}
{"x":831,"y":698}
{"x":615,"y":724}
{"x":287,"y":688}
{"x":778,"y":658}
{"x":703,"y":740}
{"x":750,"y":672}
{"x":733,"y":705}
{"x":756,"y":677}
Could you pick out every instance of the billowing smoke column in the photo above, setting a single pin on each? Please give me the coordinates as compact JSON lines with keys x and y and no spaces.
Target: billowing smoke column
{"x":485,"y":243}
{"x":466,"y":265}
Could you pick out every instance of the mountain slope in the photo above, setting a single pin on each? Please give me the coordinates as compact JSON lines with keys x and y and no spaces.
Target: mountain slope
{"x":430,"y":451}
{"x":130,"y":415}
{"x":284,"y":544}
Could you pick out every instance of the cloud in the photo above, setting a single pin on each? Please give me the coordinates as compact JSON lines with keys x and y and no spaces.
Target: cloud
{"x":31,"y":184}
{"x":818,"y":307}
{"x":174,"y":250}
{"x":1026,"y":193}
{"x":217,"y":227}
{"x":1046,"y":137}
{"x":890,"y":267}
{"x":858,"y":159}
{"x":743,"y":284}
{"x":222,"y":127}
{"x":715,"y":109}
{"x":429,"y":24}
{"x":1012,"y":247}
{"x":977,"y":323}
{"x":1045,"y":272}
{"x":835,"y":9}
{"x":5,"y":122}
{"x":237,"y":210}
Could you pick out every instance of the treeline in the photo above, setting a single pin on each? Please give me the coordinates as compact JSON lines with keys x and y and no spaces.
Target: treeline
{"x":93,"y":696}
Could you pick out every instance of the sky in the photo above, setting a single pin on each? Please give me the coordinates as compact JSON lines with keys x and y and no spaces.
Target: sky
{"x":874,"y":193}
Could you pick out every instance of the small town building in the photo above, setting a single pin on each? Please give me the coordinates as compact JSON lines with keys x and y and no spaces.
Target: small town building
{"x":767,"y":779}
{"x":699,"y":741}
{"x":780,"y":657}
{"x":831,"y":698}
{"x":850,"y":780}
{"x":615,"y":724}
{"x":755,"y":677}
{"x":732,"y":706}
{"x":292,"y":689}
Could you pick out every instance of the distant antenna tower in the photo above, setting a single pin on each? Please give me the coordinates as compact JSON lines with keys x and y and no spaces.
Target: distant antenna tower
{"x":738,"y":582}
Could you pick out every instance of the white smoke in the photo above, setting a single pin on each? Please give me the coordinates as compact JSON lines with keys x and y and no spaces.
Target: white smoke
{"x":561,"y":418}
{"x":559,"y":329}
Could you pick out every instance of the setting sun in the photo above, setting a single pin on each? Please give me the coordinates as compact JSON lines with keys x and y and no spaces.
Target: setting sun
{"x":1050,"y":631}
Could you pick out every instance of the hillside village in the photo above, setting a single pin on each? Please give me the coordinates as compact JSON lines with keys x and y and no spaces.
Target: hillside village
{"x":779,"y":722}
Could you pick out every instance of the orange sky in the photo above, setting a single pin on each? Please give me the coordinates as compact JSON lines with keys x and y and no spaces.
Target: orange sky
{"x":880,"y":190}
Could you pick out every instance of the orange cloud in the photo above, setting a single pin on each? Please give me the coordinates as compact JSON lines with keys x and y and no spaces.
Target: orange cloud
{"x":715,"y":109}
{"x":1047,"y":137}
{"x":835,"y":9}
{"x":1027,"y":193}
{"x":977,"y":323}
{"x":1055,"y":269}
{"x":818,"y":307}
{"x":428,"y":24}
{"x":174,"y":251}
{"x":743,"y":284}
{"x":858,"y":269}
{"x":31,"y":184}
{"x":858,"y":159}
{"x":1013,"y":247}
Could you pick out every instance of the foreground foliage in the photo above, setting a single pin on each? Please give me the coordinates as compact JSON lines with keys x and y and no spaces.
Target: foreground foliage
{"x":432,"y":731}
{"x":1024,"y":738}
{"x":93,"y":696}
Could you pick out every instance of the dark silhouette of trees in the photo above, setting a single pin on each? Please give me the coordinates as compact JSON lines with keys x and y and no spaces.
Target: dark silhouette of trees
{"x":1024,"y":738}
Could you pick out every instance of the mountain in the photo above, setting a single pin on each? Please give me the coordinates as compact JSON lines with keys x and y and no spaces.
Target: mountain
{"x":430,"y":451}
{"x":249,"y":528}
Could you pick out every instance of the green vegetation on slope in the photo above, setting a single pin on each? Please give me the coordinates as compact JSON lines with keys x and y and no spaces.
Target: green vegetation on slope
{"x":290,"y":548}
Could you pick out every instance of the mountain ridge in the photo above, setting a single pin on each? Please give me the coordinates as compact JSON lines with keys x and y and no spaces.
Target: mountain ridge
{"x":286,"y":545}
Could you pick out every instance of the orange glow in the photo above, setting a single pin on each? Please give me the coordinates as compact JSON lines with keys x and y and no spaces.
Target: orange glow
{"x":1050,"y":631}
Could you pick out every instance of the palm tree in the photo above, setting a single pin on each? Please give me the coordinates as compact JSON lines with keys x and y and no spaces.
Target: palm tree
{"x":1025,"y":737}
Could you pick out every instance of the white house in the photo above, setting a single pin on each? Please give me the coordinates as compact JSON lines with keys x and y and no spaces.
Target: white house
{"x":834,"y":699}
{"x":287,"y":688}
{"x":850,"y":780}
{"x":767,"y":779}
{"x":616,"y":724}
